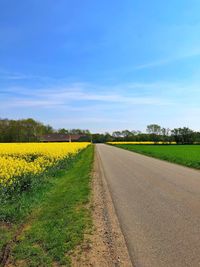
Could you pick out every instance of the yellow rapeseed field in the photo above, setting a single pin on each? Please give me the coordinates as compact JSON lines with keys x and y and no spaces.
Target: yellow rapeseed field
{"x":23,"y":159}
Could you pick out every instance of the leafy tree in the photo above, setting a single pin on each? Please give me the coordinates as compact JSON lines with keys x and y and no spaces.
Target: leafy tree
{"x":154,"y":129}
{"x":183,"y":135}
{"x":63,"y":131}
{"x":26,"y":130}
{"x":126,"y":133}
{"x":117,"y":134}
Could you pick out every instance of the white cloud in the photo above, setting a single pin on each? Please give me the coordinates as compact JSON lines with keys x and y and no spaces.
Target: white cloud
{"x":92,"y":106}
{"x":77,"y":93}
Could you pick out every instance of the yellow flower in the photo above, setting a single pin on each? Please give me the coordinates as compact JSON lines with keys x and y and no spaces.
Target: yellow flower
{"x":20,"y":159}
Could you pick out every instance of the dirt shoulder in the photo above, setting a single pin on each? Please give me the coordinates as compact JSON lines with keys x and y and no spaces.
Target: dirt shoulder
{"x":106,"y":246}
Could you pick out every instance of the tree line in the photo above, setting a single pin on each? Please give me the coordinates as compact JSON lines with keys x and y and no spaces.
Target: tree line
{"x":30,"y":130}
{"x":154,"y":133}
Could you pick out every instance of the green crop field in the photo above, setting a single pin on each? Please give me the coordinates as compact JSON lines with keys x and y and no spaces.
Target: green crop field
{"x":188,"y":155}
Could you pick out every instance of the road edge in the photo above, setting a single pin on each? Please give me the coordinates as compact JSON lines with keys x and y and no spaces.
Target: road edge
{"x":105,"y":244}
{"x":115,"y":241}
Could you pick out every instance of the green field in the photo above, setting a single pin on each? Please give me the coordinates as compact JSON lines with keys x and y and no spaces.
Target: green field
{"x":188,"y":155}
{"x":42,"y":226}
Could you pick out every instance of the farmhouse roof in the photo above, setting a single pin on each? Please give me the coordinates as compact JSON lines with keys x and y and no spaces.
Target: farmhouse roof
{"x":55,"y":137}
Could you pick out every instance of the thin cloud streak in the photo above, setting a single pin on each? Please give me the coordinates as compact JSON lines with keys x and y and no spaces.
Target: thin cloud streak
{"x":75,"y":94}
{"x":162,"y":62}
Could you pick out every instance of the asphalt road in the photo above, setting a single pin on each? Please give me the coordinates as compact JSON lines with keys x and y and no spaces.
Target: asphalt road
{"x":158,"y":207}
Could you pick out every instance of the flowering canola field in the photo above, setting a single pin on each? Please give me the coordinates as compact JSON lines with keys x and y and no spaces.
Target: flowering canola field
{"x":19,"y":160}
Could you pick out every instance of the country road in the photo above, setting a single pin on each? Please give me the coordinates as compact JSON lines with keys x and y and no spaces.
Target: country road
{"x":158,"y":207}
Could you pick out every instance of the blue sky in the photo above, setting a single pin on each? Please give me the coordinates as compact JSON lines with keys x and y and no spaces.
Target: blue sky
{"x":101,"y":65}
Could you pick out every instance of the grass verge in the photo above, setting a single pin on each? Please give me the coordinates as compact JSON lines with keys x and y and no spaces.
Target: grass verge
{"x":58,"y":219}
{"x":187,"y":155}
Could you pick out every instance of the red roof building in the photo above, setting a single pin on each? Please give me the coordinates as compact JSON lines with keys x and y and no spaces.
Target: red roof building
{"x":56,"y":137}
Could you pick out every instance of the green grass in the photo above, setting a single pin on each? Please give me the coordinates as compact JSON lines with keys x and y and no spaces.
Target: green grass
{"x":57,"y":219}
{"x":188,"y":155}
